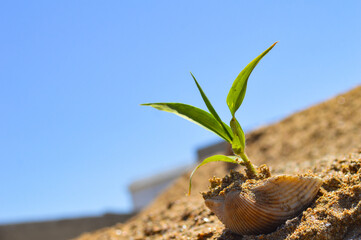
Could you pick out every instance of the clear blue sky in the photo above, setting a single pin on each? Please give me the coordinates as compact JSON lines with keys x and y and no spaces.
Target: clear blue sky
{"x":73,"y":73}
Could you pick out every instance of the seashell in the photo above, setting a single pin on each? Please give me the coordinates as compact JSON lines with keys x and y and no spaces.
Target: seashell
{"x":262,"y":208}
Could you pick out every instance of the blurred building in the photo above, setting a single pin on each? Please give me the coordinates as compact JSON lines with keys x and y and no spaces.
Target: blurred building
{"x":60,"y":229}
{"x":145,"y":190}
{"x":223,"y":148}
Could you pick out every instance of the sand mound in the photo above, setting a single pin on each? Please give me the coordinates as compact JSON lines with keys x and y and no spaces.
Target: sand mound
{"x":308,"y":140}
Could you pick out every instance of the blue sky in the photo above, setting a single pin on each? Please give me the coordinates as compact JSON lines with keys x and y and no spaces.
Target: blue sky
{"x":73,"y":73}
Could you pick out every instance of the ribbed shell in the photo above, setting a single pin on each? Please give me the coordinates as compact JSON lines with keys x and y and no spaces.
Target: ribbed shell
{"x":263,"y":208}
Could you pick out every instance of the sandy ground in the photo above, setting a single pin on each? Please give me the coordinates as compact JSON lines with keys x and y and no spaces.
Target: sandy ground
{"x":324,"y":139}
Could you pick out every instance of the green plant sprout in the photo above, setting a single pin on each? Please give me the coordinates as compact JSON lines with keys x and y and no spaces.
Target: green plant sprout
{"x":212,"y":122}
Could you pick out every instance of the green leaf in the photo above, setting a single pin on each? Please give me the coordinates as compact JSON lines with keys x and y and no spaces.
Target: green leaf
{"x":238,"y":90}
{"x":212,"y":110}
{"x":215,"y":158}
{"x":239,"y":140}
{"x":193,"y":114}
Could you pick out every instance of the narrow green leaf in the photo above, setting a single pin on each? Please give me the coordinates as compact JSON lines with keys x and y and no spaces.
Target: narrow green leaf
{"x":239,"y":140}
{"x":212,"y":110}
{"x":215,"y":158}
{"x":193,"y":114}
{"x":238,"y":90}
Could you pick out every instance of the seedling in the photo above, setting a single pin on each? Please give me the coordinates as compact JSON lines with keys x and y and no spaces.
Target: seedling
{"x":212,"y":122}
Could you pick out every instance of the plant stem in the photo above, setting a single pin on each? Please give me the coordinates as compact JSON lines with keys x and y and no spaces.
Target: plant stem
{"x":248,"y":163}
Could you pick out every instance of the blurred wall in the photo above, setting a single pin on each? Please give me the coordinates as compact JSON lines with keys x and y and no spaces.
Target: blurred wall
{"x":145,"y":190}
{"x":59,"y":230}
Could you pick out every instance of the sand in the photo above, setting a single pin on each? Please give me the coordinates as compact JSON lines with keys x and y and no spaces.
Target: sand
{"x":324,"y":139}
